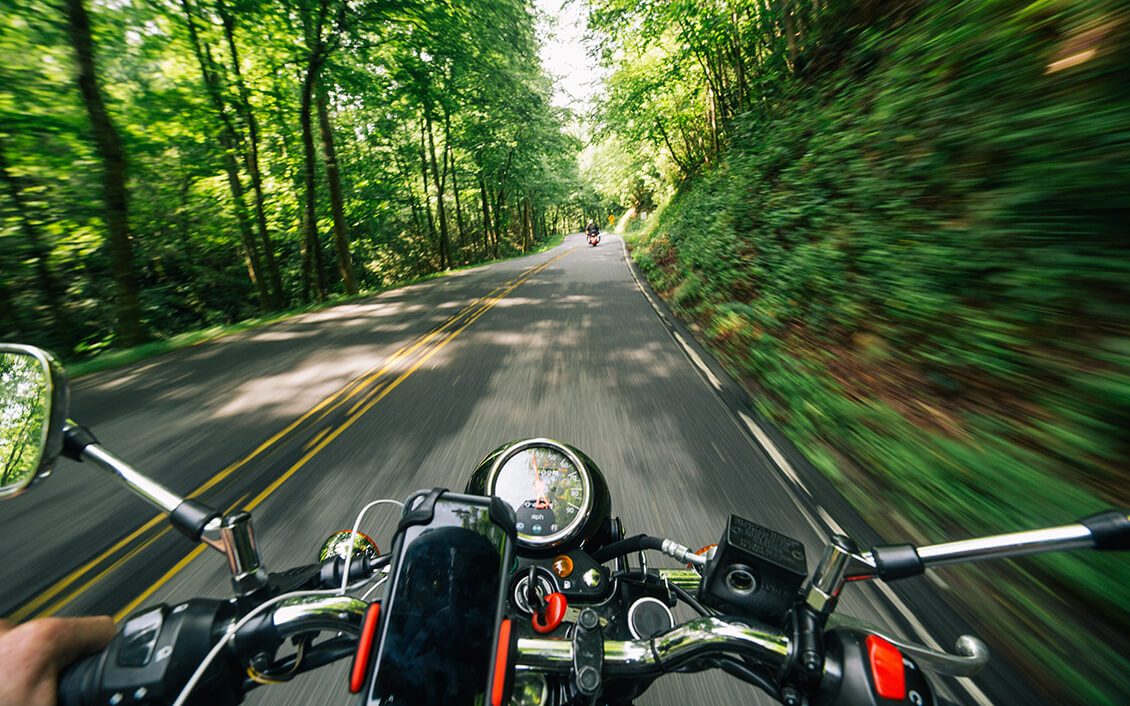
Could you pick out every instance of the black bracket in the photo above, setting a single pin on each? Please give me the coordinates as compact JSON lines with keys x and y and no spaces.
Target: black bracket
{"x":588,"y":653}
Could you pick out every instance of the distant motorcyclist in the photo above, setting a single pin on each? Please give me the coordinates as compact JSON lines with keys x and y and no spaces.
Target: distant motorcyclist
{"x":593,"y":232}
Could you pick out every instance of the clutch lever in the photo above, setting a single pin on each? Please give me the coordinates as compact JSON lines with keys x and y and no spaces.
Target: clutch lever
{"x":972,"y":654}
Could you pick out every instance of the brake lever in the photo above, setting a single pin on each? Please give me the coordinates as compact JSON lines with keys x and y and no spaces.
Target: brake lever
{"x":972,"y":653}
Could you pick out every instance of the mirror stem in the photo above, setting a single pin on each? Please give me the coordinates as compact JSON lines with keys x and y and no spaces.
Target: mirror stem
{"x":191,"y":517}
{"x":147,"y":488}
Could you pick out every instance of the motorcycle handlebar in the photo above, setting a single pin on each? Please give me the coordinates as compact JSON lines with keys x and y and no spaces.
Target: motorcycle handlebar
{"x":677,"y":647}
{"x":88,"y":681}
{"x":682,"y":644}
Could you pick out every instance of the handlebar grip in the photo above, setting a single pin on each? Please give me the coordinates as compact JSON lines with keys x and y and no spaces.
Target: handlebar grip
{"x":78,"y":683}
{"x":1111,"y":529}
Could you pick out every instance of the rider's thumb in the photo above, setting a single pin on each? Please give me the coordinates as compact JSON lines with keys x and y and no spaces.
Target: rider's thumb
{"x":78,"y":637}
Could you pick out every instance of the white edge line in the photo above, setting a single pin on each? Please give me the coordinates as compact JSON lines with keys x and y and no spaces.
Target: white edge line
{"x":777,"y":456}
{"x":699,"y":363}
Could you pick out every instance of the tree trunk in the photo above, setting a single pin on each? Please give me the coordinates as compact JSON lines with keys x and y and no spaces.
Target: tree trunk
{"x":341,"y":237}
{"x":404,"y":170}
{"x":790,"y":33}
{"x":671,"y":148}
{"x":251,"y":158}
{"x":444,"y":260}
{"x":500,"y":198}
{"x":427,"y":194}
{"x":229,"y":141}
{"x":54,"y":291}
{"x":486,"y":213}
{"x":454,"y":179}
{"x":527,"y":226}
{"x":114,"y":175}
{"x":311,"y":252}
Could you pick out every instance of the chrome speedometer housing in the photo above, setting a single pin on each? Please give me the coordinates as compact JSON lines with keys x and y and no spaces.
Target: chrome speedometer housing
{"x":558,"y":494}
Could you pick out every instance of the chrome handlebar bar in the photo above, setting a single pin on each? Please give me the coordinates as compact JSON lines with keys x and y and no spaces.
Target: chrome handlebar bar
{"x":312,"y":613}
{"x":678,"y":646}
{"x":682,"y":644}
{"x":685,"y":643}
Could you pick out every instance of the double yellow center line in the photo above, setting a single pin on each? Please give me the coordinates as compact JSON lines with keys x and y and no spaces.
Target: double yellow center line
{"x":363,"y":393}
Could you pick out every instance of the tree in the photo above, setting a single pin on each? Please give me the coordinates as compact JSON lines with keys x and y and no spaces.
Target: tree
{"x":114,"y":170}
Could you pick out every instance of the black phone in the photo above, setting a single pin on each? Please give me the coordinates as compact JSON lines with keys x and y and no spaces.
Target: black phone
{"x":443,"y":637}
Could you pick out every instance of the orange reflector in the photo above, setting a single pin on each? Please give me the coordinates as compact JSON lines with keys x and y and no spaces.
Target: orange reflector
{"x":501,"y":662}
{"x":563,"y":566}
{"x":364,"y":648}
{"x":886,"y":668}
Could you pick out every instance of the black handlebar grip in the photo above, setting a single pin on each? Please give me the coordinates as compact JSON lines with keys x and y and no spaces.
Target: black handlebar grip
{"x":78,"y":683}
{"x":897,"y":561}
{"x":1111,"y":529}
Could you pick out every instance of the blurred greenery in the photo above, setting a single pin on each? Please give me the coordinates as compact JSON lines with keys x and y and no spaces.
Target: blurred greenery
{"x":911,"y":244}
{"x":903,"y":224}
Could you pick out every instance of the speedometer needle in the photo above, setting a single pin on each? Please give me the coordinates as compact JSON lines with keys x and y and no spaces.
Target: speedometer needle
{"x":542,"y":502}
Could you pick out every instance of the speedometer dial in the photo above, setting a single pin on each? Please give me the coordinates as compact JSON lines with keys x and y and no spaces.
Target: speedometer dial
{"x":549,"y":490}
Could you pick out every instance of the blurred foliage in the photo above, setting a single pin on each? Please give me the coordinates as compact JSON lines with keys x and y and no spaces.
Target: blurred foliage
{"x":420,"y":95}
{"x":912,"y":244}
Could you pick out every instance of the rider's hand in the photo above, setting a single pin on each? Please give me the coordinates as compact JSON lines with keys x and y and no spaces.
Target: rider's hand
{"x":33,"y":654}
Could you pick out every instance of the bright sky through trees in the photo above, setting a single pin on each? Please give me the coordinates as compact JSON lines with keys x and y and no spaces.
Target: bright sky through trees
{"x":564,"y":53}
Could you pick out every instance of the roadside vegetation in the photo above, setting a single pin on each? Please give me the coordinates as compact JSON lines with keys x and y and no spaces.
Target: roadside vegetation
{"x":904,"y":227}
{"x":117,"y":357}
{"x":179,"y":165}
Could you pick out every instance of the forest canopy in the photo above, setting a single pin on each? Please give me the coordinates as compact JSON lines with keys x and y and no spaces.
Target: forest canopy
{"x":175,"y":164}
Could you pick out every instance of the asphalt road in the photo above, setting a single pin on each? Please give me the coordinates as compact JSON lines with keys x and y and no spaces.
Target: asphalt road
{"x":306,"y":420}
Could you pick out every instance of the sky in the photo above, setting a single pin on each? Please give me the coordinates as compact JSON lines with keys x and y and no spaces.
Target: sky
{"x":564,"y":54}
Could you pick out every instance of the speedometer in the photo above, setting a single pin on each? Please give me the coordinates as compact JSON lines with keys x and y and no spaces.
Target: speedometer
{"x":549,"y":485}
{"x":548,"y":491}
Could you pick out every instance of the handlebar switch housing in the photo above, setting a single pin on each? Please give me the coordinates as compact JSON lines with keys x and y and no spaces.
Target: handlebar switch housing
{"x":152,"y":657}
{"x":865,"y":670}
{"x":755,"y":572}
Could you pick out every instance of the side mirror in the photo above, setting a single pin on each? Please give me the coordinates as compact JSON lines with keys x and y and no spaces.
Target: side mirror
{"x":33,"y":409}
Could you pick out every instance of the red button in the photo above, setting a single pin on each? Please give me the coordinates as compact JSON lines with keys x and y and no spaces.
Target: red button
{"x":886,"y":668}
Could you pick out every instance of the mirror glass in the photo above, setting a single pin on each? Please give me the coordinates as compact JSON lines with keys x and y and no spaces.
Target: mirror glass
{"x":338,"y":545}
{"x":25,"y":417}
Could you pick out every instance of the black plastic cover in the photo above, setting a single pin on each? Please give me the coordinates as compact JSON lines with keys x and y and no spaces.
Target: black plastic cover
{"x":75,"y":439}
{"x":848,"y":681}
{"x":755,"y":571}
{"x":152,"y":657}
{"x":897,"y":561}
{"x":191,"y":517}
{"x":1111,"y":529}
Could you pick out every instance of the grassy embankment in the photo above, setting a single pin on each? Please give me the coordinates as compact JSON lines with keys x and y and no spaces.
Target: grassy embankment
{"x":920,"y":267}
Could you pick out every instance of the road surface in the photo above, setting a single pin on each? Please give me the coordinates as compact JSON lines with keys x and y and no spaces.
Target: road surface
{"x":306,"y":420}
